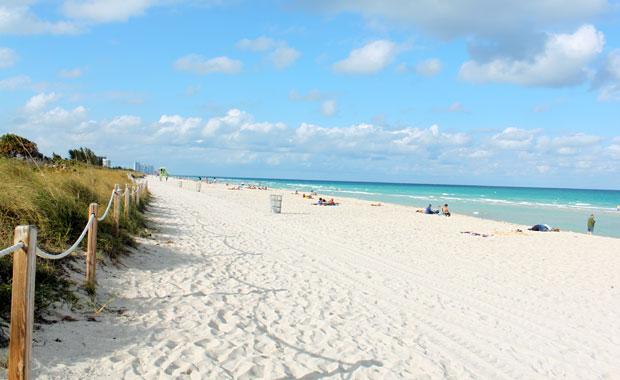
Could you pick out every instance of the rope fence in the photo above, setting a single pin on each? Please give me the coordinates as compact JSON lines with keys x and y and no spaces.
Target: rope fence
{"x":25,"y":252}
{"x":109,"y":204}
{"x":11,"y":249}
{"x":41,"y":253}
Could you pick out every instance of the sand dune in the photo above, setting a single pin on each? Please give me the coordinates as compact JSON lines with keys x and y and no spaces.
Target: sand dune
{"x":228,"y":290}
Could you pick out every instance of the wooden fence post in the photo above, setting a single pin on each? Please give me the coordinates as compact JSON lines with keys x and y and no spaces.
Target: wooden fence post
{"x":126,"y":200}
{"x":138,"y":194}
{"x":91,"y":250}
{"x":117,"y":208}
{"x":22,"y":303}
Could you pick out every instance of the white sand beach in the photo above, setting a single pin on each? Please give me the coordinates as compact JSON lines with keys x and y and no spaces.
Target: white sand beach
{"x":225,"y":289}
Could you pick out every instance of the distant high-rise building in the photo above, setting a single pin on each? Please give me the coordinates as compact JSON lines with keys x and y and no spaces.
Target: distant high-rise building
{"x":143,"y":168}
{"x":106,"y":163}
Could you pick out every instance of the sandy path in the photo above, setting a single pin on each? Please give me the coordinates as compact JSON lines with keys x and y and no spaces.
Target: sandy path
{"x":353,"y":292}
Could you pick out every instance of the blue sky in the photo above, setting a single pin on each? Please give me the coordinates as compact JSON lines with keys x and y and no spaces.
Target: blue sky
{"x":461,"y":92}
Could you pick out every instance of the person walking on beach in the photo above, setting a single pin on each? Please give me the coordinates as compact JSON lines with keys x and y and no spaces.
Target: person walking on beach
{"x":591,"y":222}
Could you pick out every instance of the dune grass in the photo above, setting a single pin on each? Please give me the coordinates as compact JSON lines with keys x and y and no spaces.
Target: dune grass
{"x":56,"y":201}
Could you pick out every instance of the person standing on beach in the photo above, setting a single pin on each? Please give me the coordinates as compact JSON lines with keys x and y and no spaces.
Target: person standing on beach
{"x":591,"y":222}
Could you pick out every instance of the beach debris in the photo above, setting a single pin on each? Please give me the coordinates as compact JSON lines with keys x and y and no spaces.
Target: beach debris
{"x":476,"y":234}
{"x":106,"y":304}
{"x":165,"y":242}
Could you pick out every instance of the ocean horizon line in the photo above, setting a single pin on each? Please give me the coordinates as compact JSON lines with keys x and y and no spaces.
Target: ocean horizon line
{"x":395,"y":183}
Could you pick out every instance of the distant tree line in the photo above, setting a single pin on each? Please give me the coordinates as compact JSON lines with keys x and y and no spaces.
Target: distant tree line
{"x":85,"y":155}
{"x":13,"y":146}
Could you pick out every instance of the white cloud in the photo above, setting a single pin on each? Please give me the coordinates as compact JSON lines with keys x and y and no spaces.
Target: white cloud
{"x":283,"y":56}
{"x":543,"y":169}
{"x":583,"y":164}
{"x":41,"y":101}
{"x":513,"y":138}
{"x":75,"y":73}
{"x":368,"y":59}
{"x":429,"y":68}
{"x":195,"y":63}
{"x":568,"y":145}
{"x":262,"y":43}
{"x":607,"y":79}
{"x":418,"y":139}
{"x":61,"y":117}
{"x":577,"y":140}
{"x":105,"y":10}
{"x":364,"y":139}
{"x":122,"y":123}
{"x":237,"y":129}
{"x":613,"y":150}
{"x":15,"y":83}
{"x":176,"y":126}
{"x":609,"y":93}
{"x":480,"y":154}
{"x":7,"y":58}
{"x":563,"y":62}
{"x":16,"y":18}
{"x":329,"y":107}
{"x":234,"y":119}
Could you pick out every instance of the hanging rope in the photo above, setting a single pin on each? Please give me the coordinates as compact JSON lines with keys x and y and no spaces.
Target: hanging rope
{"x":46,"y":255}
{"x":107,"y":209}
{"x":12,"y":249}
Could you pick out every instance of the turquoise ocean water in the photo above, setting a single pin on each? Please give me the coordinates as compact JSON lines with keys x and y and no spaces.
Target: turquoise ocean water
{"x":567,"y":209}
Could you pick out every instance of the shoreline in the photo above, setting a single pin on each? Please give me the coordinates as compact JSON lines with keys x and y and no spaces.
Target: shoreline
{"x":523,"y":227}
{"x":567,"y":212}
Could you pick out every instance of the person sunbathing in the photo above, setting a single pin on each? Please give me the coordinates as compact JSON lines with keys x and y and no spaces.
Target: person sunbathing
{"x":428,"y":210}
{"x":543,"y":228}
